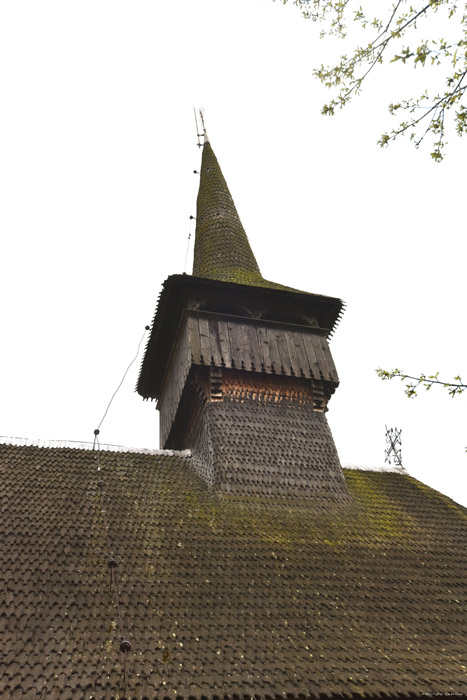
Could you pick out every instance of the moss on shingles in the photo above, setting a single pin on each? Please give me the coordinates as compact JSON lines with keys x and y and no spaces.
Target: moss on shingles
{"x":222,"y":250}
{"x":235,"y":591}
{"x":239,"y":276}
{"x":386,"y":509}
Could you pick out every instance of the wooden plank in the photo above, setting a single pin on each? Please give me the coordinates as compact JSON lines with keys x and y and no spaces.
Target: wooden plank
{"x":203,"y":326}
{"x":263,"y":344}
{"x":175,"y":384}
{"x":274,"y":350}
{"x":183,"y":355}
{"x":234,"y":345}
{"x":301,"y":353}
{"x":215,"y":342}
{"x":320,"y":357}
{"x":329,"y":361}
{"x":255,"y":353}
{"x":310,"y":353}
{"x":286,"y":360}
{"x":183,"y":358}
{"x":195,"y":342}
{"x":224,"y":342}
{"x":244,"y":345}
{"x":293,"y":354}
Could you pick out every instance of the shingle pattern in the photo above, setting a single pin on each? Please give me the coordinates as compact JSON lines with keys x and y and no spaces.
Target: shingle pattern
{"x":263,"y":437}
{"x":221,"y":595}
{"x":274,"y":450}
{"x":222,"y":250}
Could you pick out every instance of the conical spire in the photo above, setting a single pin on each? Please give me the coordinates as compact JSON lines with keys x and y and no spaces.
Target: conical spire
{"x":222,"y":250}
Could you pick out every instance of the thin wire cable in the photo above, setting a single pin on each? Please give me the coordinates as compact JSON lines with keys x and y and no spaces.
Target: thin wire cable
{"x":122,"y":380}
{"x":125,"y":674}
{"x":192,"y":218}
{"x":112,"y":563}
{"x":187,"y":248}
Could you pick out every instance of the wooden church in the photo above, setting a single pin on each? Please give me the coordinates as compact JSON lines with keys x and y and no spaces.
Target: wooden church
{"x":240,"y":561}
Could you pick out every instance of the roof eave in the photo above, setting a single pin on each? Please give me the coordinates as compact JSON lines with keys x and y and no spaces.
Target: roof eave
{"x":171,"y":304}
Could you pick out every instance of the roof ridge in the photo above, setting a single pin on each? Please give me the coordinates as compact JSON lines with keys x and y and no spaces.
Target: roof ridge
{"x":83,"y":445}
{"x":376,"y":468}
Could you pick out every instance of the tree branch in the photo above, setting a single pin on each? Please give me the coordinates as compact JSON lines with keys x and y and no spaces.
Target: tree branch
{"x":395,"y":19}
{"x":426,"y":381}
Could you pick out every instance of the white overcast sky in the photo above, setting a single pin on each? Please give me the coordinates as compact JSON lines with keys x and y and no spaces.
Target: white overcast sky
{"x":97,"y":152}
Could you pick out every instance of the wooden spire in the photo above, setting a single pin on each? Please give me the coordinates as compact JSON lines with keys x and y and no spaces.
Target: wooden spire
{"x":222,"y":250}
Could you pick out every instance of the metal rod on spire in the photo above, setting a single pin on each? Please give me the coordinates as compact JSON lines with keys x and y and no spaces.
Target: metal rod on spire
{"x":201,"y":116}
{"x":197,"y":128}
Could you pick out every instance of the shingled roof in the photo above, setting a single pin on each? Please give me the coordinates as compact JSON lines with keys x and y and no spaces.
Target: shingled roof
{"x":223,"y":596}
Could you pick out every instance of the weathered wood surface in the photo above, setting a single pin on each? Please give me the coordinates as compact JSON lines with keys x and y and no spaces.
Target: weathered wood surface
{"x":259,"y":346}
{"x":176,"y":377}
{"x":243,"y":344}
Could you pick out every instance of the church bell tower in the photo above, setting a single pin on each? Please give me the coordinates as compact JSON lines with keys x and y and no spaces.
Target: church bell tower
{"x":241,"y":367}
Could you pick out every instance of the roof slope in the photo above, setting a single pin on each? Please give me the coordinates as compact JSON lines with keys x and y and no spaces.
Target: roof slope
{"x":223,"y":596}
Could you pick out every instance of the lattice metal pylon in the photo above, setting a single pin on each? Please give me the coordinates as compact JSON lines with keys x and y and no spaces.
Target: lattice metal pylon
{"x":393,"y":446}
